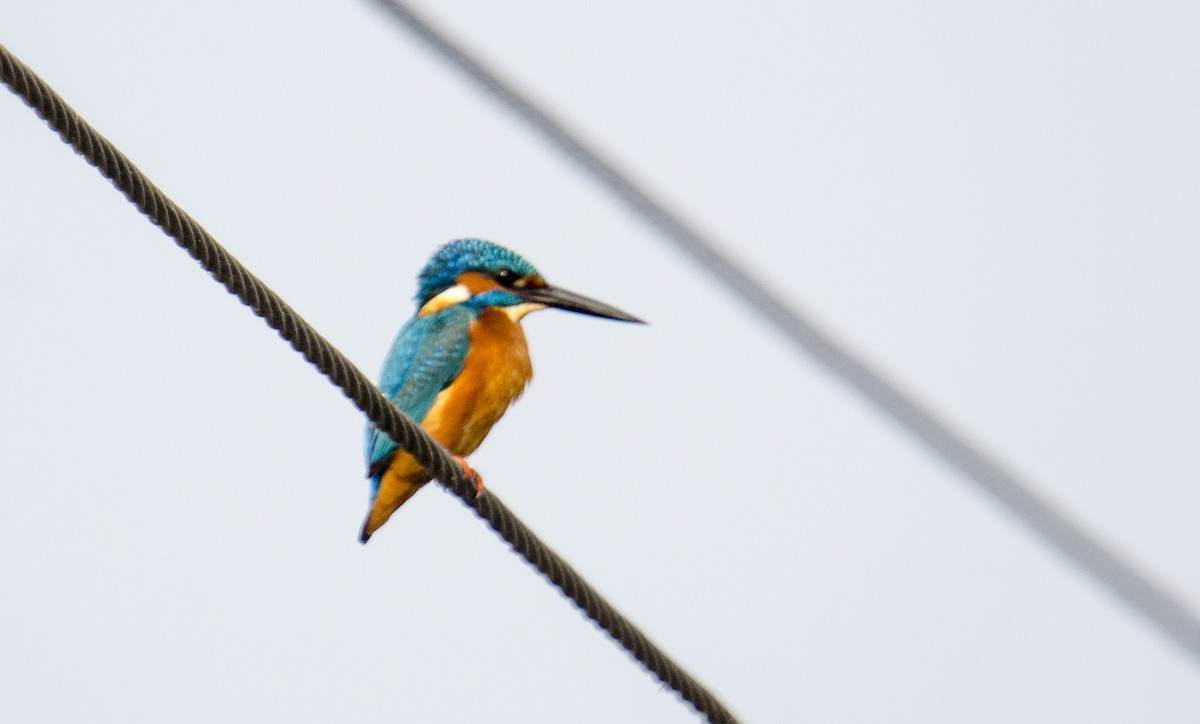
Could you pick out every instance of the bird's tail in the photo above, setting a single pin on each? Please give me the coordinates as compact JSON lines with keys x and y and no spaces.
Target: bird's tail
{"x":393,"y":491}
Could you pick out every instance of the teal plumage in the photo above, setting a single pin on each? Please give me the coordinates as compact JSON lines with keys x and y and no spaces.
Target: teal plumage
{"x":427,"y":355}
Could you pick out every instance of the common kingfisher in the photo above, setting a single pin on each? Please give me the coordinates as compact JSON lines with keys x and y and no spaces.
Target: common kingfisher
{"x":458,"y":364}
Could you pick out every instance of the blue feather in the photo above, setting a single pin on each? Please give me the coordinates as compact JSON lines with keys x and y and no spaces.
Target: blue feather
{"x":427,"y":355}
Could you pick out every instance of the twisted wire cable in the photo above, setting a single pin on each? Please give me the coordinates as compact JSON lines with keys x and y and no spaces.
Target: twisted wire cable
{"x":224,"y":268}
{"x":1086,"y":550}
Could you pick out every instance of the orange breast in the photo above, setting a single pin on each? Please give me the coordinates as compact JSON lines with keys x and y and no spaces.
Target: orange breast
{"x":494,"y":375}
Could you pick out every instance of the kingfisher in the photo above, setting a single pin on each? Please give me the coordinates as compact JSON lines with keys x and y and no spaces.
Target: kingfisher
{"x":458,"y":364}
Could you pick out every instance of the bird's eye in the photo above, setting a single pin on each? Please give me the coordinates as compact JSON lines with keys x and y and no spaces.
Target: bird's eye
{"x":506,"y":277}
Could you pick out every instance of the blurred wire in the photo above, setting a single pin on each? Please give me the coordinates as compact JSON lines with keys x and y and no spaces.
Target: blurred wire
{"x":227,"y":270}
{"x":1068,"y":537}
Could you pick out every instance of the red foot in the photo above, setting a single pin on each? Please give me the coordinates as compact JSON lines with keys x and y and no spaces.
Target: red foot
{"x":472,"y":475}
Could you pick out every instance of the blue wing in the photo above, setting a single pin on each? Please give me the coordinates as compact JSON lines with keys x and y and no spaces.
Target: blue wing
{"x":427,"y":355}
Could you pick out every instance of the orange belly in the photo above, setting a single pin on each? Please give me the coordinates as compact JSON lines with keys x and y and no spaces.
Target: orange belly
{"x":494,"y":375}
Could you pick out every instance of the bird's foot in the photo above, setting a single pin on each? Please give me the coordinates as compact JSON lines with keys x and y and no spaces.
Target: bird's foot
{"x":472,"y":475}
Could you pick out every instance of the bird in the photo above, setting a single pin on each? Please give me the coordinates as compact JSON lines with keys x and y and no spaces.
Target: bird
{"x":458,"y":364}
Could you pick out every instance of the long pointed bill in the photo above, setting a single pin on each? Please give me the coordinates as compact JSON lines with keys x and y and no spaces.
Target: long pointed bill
{"x":572,"y":302}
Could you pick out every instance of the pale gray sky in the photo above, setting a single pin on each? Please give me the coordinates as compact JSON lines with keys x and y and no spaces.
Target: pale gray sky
{"x":994,"y":202}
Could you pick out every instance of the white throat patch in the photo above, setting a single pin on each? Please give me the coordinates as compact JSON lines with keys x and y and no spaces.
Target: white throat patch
{"x":518,"y":311}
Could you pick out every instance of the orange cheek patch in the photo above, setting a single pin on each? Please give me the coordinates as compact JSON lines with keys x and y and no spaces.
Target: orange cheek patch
{"x":477,"y":283}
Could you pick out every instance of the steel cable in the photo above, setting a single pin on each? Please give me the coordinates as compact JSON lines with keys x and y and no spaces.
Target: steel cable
{"x":265,"y":303}
{"x":1177,"y":621}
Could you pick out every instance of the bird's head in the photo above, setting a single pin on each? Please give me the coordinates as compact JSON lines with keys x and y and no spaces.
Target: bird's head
{"x":481,"y":274}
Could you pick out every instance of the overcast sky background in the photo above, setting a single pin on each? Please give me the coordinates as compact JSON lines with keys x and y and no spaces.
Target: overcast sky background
{"x":995,"y":202}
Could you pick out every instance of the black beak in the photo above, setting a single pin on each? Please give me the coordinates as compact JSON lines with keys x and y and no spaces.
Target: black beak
{"x":572,"y":302}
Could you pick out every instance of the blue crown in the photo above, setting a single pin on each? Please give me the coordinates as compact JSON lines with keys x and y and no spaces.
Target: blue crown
{"x":464,"y":255}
